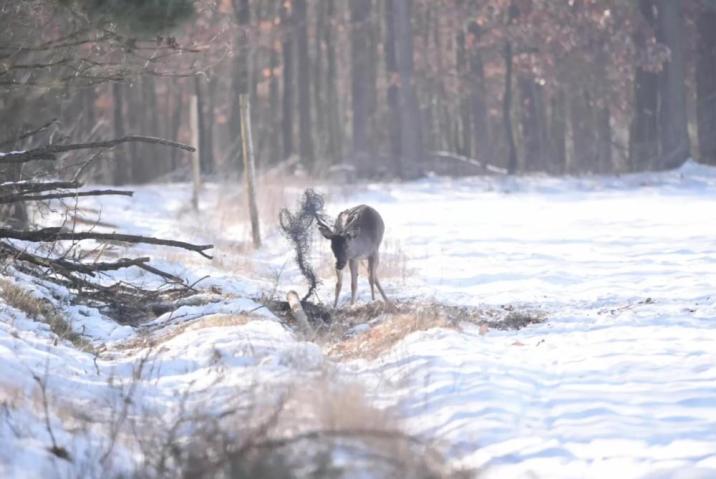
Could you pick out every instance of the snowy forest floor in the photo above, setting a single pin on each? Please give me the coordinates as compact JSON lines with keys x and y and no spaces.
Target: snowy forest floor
{"x":610,"y":368}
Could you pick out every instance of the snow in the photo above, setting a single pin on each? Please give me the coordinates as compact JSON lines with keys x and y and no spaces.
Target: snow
{"x":619,"y":381}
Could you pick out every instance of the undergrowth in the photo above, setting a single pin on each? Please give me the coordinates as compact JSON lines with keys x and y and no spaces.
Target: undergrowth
{"x":42,"y":310}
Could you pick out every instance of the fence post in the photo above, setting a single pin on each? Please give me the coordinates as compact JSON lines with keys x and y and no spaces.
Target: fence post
{"x":195,"y":158}
{"x":249,"y":166}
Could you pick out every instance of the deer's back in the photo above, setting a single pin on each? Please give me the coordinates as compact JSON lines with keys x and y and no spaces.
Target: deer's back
{"x":370,"y":229}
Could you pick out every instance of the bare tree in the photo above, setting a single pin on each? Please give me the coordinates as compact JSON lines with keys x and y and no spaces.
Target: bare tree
{"x":706,"y":83}
{"x":675,"y":146}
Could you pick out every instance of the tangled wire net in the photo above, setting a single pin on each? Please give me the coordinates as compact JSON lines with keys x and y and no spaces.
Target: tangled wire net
{"x":297,"y":228}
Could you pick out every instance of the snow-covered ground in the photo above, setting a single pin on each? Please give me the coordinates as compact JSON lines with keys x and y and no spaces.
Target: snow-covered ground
{"x":619,"y":381}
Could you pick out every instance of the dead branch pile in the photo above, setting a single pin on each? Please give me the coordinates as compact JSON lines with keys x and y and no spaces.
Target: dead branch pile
{"x":60,"y":254}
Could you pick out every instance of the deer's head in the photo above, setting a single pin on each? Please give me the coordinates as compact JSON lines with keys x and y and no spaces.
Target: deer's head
{"x":341,"y":241}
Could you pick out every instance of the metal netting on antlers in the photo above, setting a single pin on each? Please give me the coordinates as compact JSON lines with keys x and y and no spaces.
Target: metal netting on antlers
{"x":297,"y":228}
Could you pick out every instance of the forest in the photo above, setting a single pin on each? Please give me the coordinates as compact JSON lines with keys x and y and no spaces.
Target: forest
{"x":369,"y":88}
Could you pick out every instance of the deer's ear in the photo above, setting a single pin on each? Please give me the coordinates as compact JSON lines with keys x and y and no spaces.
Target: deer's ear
{"x":326,"y":232}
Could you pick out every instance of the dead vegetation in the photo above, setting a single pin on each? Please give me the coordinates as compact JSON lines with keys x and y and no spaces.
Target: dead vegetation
{"x":318,"y":427}
{"x":309,"y":429}
{"x":41,"y":310}
{"x":371,"y":329}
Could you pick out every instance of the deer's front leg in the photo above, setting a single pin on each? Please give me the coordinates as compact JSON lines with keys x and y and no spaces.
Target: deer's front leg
{"x":354,"y":279}
{"x":339,"y":284}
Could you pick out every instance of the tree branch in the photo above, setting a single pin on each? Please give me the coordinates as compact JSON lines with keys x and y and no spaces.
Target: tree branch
{"x":55,"y":234}
{"x":49,"y":152}
{"x":72,"y":194}
{"x":23,"y":187}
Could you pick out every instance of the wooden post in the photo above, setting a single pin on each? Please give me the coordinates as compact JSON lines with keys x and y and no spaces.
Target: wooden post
{"x":195,"y":158}
{"x":249,"y":166}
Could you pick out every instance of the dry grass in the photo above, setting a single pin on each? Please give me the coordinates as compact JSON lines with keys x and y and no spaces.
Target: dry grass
{"x":309,"y":429}
{"x":273,"y":193}
{"x":369,"y":330}
{"x":384,"y":333}
{"x":386,"y":328}
{"x":41,"y":310}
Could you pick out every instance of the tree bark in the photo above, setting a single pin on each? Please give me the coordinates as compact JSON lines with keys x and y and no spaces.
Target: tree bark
{"x":706,"y":84}
{"x":558,"y":133}
{"x":675,"y":147}
{"x":242,"y":76}
{"x":534,"y":124}
{"x":478,"y":99}
{"x":584,"y":144}
{"x":644,"y":130}
{"x":175,"y":125}
{"x":604,"y":139}
{"x":287,"y":21}
{"x":204,"y":129}
{"x":122,"y":165}
{"x":360,"y":79}
{"x":304,"y":85}
{"x":465,"y":144}
{"x":507,"y":112}
{"x":393,"y":91}
{"x":412,"y":154}
{"x":335,"y":131}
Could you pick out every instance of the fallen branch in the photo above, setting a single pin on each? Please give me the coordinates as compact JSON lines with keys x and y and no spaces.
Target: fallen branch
{"x":55,"y":234}
{"x":470,"y":161}
{"x":53,"y":196}
{"x":50,"y":152}
{"x":72,"y":266}
{"x":23,"y":187}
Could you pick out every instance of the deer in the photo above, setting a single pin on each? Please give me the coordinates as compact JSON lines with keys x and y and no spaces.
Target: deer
{"x":356,"y":235}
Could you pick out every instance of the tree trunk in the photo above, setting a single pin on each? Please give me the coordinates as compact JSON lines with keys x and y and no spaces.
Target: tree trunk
{"x":478,"y":99}
{"x":275,"y":106}
{"x":335,"y":131}
{"x":584,"y":157}
{"x":534,"y":124}
{"x":319,"y":105}
{"x":465,"y":147}
{"x":204,"y":129}
{"x":304,"y":84}
{"x":209,"y":124}
{"x":122,"y":165}
{"x":360,"y":66}
{"x":507,"y":112}
{"x":411,"y":131}
{"x":675,"y":147}
{"x":175,"y":125}
{"x":241,"y":77}
{"x":393,"y":92}
{"x":644,"y":130}
{"x":706,"y":84}
{"x":152,"y":168}
{"x":558,"y":133}
{"x":603,"y":138}
{"x":289,"y":34}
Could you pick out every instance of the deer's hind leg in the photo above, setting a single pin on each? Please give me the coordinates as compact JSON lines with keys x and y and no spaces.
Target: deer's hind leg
{"x":373,"y":262}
